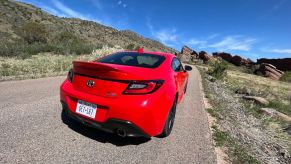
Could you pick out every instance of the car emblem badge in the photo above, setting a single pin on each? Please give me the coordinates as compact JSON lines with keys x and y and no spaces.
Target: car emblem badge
{"x":90,"y":83}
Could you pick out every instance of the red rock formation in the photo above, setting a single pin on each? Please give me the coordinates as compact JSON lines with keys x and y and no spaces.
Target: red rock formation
{"x":281,"y":64}
{"x":195,"y":55}
{"x":270,"y":71}
{"x":187,"y":54}
{"x":223,"y":55}
{"x":204,"y":56}
{"x":236,"y":60}
{"x":186,"y":50}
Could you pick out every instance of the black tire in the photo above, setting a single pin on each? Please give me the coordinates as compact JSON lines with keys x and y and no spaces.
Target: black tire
{"x":170,"y":121}
{"x":185,"y":89}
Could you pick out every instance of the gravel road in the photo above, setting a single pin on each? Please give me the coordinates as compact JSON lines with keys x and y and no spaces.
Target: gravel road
{"x":32,"y":130}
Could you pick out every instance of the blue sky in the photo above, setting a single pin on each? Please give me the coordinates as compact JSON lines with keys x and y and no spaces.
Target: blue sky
{"x":250,"y":28}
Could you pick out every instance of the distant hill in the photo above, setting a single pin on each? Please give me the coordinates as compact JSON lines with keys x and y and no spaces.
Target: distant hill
{"x":14,"y":15}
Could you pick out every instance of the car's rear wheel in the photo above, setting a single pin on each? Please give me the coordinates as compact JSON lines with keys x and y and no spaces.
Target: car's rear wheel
{"x":185,"y":89}
{"x":170,"y":121}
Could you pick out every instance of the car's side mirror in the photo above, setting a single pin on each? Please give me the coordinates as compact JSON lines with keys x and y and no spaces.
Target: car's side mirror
{"x":188,"y":68}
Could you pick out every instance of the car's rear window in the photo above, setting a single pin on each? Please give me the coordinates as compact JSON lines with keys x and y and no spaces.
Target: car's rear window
{"x":133,"y":59}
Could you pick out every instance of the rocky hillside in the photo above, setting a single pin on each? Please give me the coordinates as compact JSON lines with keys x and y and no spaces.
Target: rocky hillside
{"x":282,"y":64}
{"x":14,"y":15}
{"x":272,"y":68}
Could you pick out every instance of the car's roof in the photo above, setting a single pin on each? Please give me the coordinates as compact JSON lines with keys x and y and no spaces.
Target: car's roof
{"x":152,"y":52}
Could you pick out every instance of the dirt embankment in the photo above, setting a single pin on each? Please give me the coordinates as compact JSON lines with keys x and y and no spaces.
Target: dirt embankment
{"x":260,"y":141}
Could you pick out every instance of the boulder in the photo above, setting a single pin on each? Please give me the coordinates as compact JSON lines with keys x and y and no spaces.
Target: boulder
{"x":258,"y":100}
{"x":243,"y":90}
{"x":275,"y":114}
{"x":281,"y":64}
{"x":204,"y":56}
{"x":288,"y":129}
{"x":270,"y":71}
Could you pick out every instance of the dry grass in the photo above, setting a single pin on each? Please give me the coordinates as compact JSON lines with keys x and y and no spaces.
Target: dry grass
{"x":45,"y":64}
{"x":261,"y":86}
{"x":277,"y":92}
{"x":239,"y":129}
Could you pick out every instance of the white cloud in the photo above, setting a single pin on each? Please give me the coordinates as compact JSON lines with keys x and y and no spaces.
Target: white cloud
{"x":234,"y":43}
{"x":280,"y":51}
{"x":51,"y":10}
{"x":167,"y":36}
{"x":212,"y":36}
{"x":195,"y":42}
{"x":66,"y":11}
{"x":201,"y":43}
{"x":97,"y":4}
{"x":121,"y":3}
{"x":149,"y":25}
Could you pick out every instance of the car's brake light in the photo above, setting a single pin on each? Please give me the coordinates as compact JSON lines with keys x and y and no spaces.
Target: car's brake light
{"x":143,"y":87}
{"x":140,"y":50}
{"x":70,"y":75}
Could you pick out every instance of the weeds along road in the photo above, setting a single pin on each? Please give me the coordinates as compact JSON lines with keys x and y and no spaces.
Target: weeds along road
{"x":33,"y":131}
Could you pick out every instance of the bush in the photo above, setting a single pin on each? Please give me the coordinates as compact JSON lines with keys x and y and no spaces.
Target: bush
{"x":34,"y":32}
{"x":130,"y":46}
{"x":64,"y":44}
{"x":68,"y":43}
{"x":218,"y":69}
{"x":286,"y":77}
{"x":22,"y":49}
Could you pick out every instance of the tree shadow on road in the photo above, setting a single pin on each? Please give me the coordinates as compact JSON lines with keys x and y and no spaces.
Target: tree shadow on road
{"x":99,"y":135}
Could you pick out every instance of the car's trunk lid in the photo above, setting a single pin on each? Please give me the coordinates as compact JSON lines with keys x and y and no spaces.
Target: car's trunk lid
{"x":106,"y":80}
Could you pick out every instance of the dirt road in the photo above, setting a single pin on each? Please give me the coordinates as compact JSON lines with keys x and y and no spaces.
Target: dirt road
{"x":33,"y":131}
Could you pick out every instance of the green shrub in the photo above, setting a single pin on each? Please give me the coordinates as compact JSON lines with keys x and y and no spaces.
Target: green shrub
{"x":65,"y":43}
{"x":33,"y":32}
{"x":22,"y":49}
{"x":130,"y":46}
{"x":219,"y":136}
{"x":213,"y":112}
{"x":286,"y":77}
{"x":68,"y":43}
{"x":218,"y":69}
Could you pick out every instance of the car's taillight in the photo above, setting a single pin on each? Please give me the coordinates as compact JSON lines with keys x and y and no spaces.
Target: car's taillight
{"x":143,"y":87}
{"x":70,"y":75}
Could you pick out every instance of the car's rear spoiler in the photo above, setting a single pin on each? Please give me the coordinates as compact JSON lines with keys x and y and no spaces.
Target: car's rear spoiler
{"x":79,"y":65}
{"x":97,"y":69}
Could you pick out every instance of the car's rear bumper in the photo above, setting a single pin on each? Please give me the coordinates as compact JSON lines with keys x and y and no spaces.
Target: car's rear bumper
{"x":148,"y":112}
{"x":111,"y":125}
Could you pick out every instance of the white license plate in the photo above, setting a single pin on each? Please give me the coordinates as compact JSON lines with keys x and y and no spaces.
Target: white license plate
{"x":86,"y":109}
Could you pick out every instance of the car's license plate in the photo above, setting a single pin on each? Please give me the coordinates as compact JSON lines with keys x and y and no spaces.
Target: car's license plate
{"x":86,"y":109}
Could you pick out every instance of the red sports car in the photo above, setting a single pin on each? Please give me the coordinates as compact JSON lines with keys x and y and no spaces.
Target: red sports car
{"x":130,"y":93}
